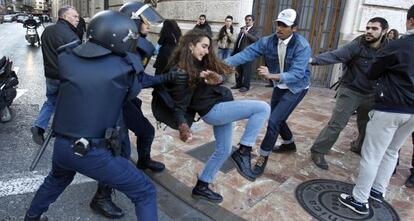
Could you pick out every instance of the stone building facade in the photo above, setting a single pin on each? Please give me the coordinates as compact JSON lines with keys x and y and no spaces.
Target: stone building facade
{"x":355,"y":14}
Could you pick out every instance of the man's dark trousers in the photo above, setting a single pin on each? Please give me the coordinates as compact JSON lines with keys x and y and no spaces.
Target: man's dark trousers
{"x":99,"y":164}
{"x":282,"y":105}
{"x":347,"y":101}
{"x":245,"y":72}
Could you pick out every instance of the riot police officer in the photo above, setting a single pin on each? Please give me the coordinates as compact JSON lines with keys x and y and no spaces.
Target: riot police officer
{"x":135,"y":120}
{"x":88,"y":116}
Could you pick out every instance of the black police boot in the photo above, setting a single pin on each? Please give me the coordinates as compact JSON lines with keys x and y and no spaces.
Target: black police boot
{"x":201,"y":191}
{"x":102,"y":203}
{"x":148,"y":163}
{"x":260,"y":165}
{"x":242,"y":159}
{"x":27,"y":217}
{"x":37,"y":135}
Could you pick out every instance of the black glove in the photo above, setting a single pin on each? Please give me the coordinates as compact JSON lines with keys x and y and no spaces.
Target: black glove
{"x":175,"y":75}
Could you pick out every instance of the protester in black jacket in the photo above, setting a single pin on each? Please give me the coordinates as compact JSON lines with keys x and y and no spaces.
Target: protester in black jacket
{"x":204,"y":94}
{"x":391,"y":120}
{"x":169,"y":36}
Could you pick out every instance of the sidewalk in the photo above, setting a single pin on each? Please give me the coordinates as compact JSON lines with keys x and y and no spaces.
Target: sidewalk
{"x":270,"y":197}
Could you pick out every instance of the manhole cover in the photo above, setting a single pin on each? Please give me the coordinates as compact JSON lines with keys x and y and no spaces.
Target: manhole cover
{"x":320,"y":199}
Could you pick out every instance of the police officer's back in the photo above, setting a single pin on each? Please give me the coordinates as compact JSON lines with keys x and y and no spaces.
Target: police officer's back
{"x":96,"y":78}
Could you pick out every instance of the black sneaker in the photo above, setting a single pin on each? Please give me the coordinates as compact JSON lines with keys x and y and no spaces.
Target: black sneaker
{"x":285,"y":148}
{"x":37,"y":135}
{"x":350,"y":202}
{"x":410,"y":181}
{"x":376,"y":195}
{"x":205,"y":193}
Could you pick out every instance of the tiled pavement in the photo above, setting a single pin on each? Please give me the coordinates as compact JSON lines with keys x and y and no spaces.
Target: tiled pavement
{"x":270,"y":197}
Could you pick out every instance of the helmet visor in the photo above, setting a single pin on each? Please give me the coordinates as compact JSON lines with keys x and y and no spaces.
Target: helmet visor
{"x":148,"y":13}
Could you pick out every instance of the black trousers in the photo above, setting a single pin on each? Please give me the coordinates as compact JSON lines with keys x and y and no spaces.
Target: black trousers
{"x":136,"y":122}
{"x":245,"y":72}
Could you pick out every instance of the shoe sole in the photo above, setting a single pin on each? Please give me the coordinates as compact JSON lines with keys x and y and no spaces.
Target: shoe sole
{"x":284,"y":151}
{"x":239,"y":170}
{"x":352,"y":208}
{"x":376,"y":199}
{"x":197,"y":197}
{"x":146,"y":168}
{"x":103,"y":213}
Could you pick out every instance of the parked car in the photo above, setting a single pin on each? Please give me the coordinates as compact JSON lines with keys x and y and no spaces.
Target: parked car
{"x":9,"y":18}
{"x":22,"y":18}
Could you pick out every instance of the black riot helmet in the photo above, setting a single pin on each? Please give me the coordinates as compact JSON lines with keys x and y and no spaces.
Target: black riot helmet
{"x":139,"y":11}
{"x":109,"y":31}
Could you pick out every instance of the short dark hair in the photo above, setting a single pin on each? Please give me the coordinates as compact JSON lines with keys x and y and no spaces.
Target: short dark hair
{"x":382,"y":21}
{"x":64,"y":9}
{"x":203,"y":15}
{"x":410,"y":13}
{"x":251,"y":16}
{"x":229,"y":17}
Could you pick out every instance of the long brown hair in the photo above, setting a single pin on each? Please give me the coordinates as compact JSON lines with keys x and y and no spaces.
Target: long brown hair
{"x":183,"y":58}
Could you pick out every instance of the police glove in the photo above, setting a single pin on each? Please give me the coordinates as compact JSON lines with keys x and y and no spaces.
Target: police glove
{"x":175,"y":75}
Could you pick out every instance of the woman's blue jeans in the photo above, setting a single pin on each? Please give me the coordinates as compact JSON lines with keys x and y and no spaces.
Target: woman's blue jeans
{"x":221,"y":117}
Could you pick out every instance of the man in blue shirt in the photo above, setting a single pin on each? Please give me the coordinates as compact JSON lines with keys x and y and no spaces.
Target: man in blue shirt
{"x":286,"y":54}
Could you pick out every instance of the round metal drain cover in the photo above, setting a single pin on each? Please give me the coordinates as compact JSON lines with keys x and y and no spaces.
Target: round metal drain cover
{"x":320,"y":199}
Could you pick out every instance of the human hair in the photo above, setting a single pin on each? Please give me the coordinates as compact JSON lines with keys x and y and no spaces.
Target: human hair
{"x":223,"y":29}
{"x":183,"y":58}
{"x":382,"y":21}
{"x":410,"y":13}
{"x":395,"y":32}
{"x":64,"y":9}
{"x":203,"y":16}
{"x":251,"y":16}
{"x":170,"y":27}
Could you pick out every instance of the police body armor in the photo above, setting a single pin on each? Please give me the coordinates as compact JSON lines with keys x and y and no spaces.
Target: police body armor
{"x":92,"y":91}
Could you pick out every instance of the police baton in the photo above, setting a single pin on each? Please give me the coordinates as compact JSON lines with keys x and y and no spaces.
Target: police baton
{"x":41,"y":151}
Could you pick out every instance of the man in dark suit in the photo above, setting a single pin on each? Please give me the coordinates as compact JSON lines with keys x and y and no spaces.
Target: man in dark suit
{"x":247,"y":36}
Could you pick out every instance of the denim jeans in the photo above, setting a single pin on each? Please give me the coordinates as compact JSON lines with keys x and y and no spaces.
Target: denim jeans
{"x":386,"y":133}
{"x":224,"y":53}
{"x":48,"y":108}
{"x":99,"y":164}
{"x":283,"y":103}
{"x":221,"y":117}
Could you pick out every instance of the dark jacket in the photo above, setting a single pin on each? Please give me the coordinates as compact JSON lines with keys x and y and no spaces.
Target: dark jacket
{"x":206,"y":28}
{"x":394,"y":69}
{"x":53,"y":37}
{"x":251,"y":37}
{"x":81,"y":28}
{"x":357,"y":57}
{"x":199,"y":98}
{"x":31,"y":22}
{"x":168,"y":43}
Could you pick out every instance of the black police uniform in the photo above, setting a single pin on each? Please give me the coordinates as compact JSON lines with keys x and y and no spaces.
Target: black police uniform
{"x":91,"y":95}
{"x":133,"y":115}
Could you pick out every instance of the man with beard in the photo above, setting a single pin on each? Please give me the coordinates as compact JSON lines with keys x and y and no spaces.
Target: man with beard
{"x":356,"y":91}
